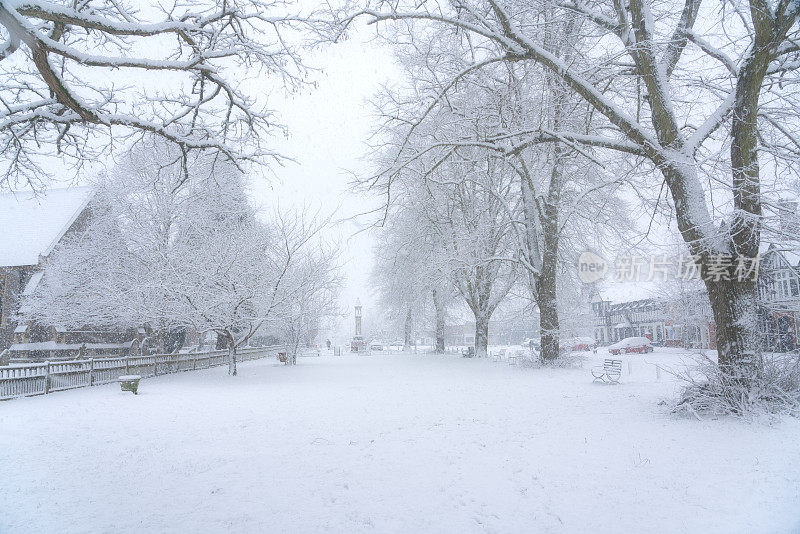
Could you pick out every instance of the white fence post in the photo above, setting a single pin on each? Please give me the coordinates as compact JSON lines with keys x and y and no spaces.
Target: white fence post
{"x":47,"y":378}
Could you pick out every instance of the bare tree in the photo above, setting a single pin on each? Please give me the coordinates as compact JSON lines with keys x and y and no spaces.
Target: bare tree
{"x":652,"y":68}
{"x":78,"y":76}
{"x":121,"y":270}
{"x":169,"y":253}
{"x":468,"y":210}
{"x":307,"y":279}
{"x":557,"y":184}
{"x":411,"y":272}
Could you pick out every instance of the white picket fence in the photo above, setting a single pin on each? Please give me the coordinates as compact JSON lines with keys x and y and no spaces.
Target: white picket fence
{"x":47,"y":377}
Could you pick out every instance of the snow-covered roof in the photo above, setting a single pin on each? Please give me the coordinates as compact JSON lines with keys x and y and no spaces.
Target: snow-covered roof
{"x":32,"y":225}
{"x":790,"y":254}
{"x":30,"y":287}
{"x":618,"y":292}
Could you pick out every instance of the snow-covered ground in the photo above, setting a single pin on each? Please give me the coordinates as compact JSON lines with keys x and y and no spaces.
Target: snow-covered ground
{"x":391,"y":443}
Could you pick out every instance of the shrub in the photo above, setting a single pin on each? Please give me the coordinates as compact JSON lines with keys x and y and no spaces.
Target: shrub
{"x":770,"y":388}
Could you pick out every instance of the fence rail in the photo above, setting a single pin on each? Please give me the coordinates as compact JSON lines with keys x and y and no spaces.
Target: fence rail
{"x":47,"y":377}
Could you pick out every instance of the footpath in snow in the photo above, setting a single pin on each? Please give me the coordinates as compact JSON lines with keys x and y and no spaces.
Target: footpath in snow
{"x":391,"y":443}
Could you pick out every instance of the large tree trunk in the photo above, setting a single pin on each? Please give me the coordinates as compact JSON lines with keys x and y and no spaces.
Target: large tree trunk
{"x":546,"y":294}
{"x":440,"y":312}
{"x":735,"y":307}
{"x":408,"y":330}
{"x":481,"y":335}
{"x":548,"y":322}
{"x":231,"y":355}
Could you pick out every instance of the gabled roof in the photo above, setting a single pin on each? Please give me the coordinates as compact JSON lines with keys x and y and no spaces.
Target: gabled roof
{"x":31,"y":226}
{"x":790,"y":255}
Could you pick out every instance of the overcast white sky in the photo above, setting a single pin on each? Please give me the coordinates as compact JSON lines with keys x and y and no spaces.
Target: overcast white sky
{"x":328,"y":127}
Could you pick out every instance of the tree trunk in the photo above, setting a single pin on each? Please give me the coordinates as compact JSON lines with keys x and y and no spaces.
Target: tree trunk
{"x":231,"y":356}
{"x":481,"y":335}
{"x":408,"y":330}
{"x":546,"y":291}
{"x":294,"y":345}
{"x":548,"y":323}
{"x":293,"y":357}
{"x":735,"y":308}
{"x":439,"y":307}
{"x":161,"y":340}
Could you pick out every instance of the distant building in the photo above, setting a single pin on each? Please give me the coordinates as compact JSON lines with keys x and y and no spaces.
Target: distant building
{"x":685,"y":319}
{"x":32,"y":226}
{"x":615,"y":321}
{"x":779,"y":294}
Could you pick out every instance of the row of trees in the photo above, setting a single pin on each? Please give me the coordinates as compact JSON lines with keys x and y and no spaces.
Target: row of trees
{"x":696,"y":98}
{"x":665,"y":96}
{"x":177,"y":245}
{"x":488,"y":219}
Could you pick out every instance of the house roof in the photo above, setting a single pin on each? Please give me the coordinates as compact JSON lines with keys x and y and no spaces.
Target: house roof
{"x":623,"y":292}
{"x":790,"y":255}
{"x":30,"y":287}
{"x":32,"y":225}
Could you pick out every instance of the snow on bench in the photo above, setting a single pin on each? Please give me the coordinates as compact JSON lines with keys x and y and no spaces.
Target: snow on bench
{"x":130,"y":383}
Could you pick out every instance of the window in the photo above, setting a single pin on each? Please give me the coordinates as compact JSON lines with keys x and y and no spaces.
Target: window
{"x":782,"y":283}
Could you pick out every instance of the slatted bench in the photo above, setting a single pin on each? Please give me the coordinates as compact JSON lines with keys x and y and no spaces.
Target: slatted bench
{"x":609,"y":372}
{"x":130,"y":383}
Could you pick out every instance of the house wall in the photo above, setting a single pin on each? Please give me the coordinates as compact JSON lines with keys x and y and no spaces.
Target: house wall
{"x":12,"y":282}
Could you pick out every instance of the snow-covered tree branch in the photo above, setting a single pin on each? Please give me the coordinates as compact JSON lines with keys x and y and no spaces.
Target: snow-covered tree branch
{"x":79,"y":76}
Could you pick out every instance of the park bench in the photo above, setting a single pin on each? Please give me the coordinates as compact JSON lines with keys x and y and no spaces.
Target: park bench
{"x":130,"y":383}
{"x":609,"y":372}
{"x":500,"y":355}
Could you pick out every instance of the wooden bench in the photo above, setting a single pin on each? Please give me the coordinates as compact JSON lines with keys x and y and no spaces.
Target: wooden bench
{"x":609,"y":372}
{"x":130,"y":383}
{"x":500,"y":355}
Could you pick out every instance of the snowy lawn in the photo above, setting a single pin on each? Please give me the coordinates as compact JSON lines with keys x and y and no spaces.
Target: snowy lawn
{"x":391,"y":443}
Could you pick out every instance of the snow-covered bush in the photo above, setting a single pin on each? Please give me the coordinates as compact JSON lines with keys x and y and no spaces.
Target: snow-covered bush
{"x":771,"y":388}
{"x":566,"y":359}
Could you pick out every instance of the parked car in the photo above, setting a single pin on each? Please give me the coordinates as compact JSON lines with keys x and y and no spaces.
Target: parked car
{"x":578,"y":344}
{"x":377,"y":345}
{"x":638,"y":345}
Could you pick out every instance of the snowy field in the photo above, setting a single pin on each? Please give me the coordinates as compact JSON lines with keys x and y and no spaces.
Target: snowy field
{"x":391,"y":443}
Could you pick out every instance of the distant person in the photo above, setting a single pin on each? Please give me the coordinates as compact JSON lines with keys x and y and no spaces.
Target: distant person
{"x":328,"y":344}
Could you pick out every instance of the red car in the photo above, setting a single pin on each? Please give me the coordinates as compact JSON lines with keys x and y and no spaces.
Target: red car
{"x":639,"y":345}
